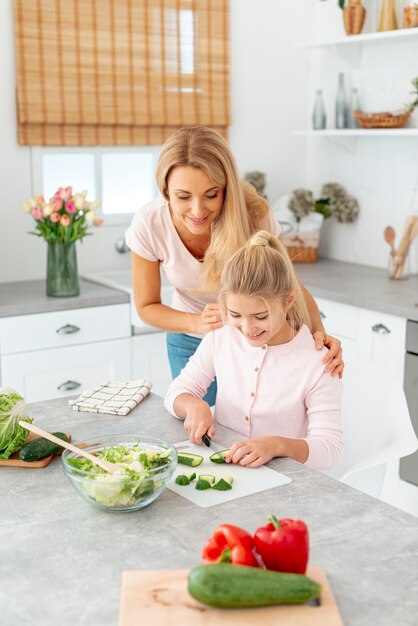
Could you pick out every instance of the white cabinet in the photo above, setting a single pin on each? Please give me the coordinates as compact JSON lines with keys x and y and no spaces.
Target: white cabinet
{"x":59,"y":354}
{"x":366,"y":334}
{"x":150,"y":360}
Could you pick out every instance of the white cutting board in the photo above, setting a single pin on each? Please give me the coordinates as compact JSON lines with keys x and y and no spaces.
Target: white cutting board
{"x":247,"y":480}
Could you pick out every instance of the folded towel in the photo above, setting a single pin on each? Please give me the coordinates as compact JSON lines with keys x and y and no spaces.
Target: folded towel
{"x":116,"y":398}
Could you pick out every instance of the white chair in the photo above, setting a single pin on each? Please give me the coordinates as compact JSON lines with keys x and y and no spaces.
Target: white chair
{"x":376,"y":426}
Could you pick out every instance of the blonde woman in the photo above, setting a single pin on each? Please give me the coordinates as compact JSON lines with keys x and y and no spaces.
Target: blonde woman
{"x":272,"y":387}
{"x":203,"y":216}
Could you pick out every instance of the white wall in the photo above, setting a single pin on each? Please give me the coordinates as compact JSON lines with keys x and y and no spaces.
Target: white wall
{"x":272,"y":87}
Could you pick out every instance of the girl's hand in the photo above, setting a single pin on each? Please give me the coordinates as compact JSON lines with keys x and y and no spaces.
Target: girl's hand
{"x":210,"y":318}
{"x":198,"y":421}
{"x":254,"y":452}
{"x":334,"y":358}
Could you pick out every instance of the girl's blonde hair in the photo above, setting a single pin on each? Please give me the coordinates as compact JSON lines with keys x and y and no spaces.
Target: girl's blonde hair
{"x":203,"y":148}
{"x":263,"y":268}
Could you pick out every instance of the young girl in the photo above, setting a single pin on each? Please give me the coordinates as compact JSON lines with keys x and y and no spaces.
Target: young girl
{"x":272,"y":387}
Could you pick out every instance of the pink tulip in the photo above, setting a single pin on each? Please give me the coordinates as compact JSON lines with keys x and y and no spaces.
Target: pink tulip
{"x":65,"y":220}
{"x":65,"y":194}
{"x":55,"y":217}
{"x":70,"y":207}
{"x":58,"y":204}
{"x":37,"y":214}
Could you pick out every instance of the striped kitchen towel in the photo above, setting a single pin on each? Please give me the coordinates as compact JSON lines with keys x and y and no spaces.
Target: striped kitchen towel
{"x":116,"y":398}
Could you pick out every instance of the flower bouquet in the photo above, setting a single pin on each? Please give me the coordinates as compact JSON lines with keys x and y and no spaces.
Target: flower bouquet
{"x":63,"y":220}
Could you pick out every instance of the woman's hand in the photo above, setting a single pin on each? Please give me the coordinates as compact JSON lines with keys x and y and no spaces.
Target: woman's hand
{"x":198,"y":421}
{"x":210,"y":318}
{"x":334,"y":358}
{"x":254,"y":452}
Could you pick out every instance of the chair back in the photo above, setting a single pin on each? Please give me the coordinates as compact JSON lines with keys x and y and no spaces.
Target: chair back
{"x":376,"y":423}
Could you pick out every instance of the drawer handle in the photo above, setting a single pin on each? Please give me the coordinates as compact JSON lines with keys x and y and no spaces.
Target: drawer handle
{"x":69,"y":385}
{"x":68,"y":329}
{"x":323,"y":316}
{"x":381,"y":329}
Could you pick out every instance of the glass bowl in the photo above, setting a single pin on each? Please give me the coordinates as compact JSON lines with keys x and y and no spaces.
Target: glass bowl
{"x":121,"y":491}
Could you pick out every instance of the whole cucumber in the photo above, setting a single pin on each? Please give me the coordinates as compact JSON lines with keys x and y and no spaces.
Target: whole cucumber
{"x":40,"y":448}
{"x":239,"y":586}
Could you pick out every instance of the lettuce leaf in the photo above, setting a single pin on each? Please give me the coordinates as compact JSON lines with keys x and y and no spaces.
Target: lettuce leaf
{"x":13,"y":409}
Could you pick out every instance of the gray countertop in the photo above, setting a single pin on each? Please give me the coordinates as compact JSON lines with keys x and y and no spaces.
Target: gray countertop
{"x":26,"y":297}
{"x":61,"y":560}
{"x":361,"y":285}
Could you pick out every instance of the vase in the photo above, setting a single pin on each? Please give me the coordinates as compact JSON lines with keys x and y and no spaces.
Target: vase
{"x":388,"y":20}
{"x":354,"y":15}
{"x":61,"y":271}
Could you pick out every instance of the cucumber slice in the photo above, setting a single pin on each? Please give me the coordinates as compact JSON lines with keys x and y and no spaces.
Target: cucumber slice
{"x":201,"y":485}
{"x":187,"y":458}
{"x":182,"y":480}
{"x":209,"y":478}
{"x":219,"y":457}
{"x":223,"y":484}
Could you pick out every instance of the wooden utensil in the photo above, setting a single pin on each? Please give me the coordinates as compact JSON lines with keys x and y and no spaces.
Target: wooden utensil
{"x":108,"y":467}
{"x":402,"y":251}
{"x":389,"y":235}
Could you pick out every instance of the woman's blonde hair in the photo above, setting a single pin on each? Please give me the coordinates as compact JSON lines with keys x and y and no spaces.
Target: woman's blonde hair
{"x":203,"y":148}
{"x":263,"y":268}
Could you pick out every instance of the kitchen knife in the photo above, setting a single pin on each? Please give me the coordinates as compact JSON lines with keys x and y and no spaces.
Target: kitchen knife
{"x":206,"y":440}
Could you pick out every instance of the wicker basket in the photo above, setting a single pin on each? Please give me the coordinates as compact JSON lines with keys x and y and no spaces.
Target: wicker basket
{"x":301,"y":254}
{"x":381,"y":120}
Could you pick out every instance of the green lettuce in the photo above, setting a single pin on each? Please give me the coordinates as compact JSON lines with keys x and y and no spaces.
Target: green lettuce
{"x":13,"y":409}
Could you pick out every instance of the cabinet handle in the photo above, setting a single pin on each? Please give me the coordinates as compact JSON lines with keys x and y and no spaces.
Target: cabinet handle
{"x":69,"y":385}
{"x":68,"y":329}
{"x":381,"y":329}
{"x":323,"y":316}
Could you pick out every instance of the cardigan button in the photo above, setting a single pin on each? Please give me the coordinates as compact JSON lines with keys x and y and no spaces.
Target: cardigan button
{"x":252,"y":394}
{"x":247,"y":419}
{"x":256,"y":369}
{"x":264,"y":347}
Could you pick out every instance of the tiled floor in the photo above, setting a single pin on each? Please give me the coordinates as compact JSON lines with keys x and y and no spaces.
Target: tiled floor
{"x":398,"y":492}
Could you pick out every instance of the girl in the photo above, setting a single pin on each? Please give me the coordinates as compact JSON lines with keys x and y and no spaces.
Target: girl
{"x":272,"y":388}
{"x":203,"y":216}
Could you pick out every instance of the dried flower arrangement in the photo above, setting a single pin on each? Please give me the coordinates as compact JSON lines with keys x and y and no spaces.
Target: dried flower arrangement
{"x":257,"y":180}
{"x":334,"y":201}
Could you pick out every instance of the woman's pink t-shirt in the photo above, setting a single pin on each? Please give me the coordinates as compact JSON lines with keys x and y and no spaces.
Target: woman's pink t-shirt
{"x":152,"y":235}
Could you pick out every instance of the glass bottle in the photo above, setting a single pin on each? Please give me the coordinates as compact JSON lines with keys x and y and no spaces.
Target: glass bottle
{"x":319,"y":118}
{"x":341,"y":104}
{"x":353,"y":106}
{"x":410,"y":14}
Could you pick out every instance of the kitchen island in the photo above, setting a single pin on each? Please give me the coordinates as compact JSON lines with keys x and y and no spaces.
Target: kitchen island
{"x":61,"y":560}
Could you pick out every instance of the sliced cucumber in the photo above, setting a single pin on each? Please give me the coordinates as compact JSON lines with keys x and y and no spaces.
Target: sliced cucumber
{"x":187,"y":458}
{"x":223,"y":484}
{"x":219,"y":457}
{"x":210,"y":478}
{"x":184,"y":479}
{"x":201,"y":485}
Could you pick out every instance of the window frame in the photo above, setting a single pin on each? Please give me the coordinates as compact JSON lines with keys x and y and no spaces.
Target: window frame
{"x":110,"y":219}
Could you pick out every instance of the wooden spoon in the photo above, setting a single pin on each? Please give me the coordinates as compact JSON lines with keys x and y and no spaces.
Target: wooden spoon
{"x":389,"y":235}
{"x":109,"y":467}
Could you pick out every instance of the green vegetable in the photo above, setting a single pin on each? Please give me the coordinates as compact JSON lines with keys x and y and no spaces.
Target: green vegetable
{"x":219,"y":457}
{"x":240,"y":586}
{"x":132,"y":484}
{"x":41,"y":448}
{"x":187,"y":458}
{"x":13,"y":408}
{"x":183,"y":479}
{"x":201,"y":485}
{"x":223,"y":484}
{"x":208,"y":477}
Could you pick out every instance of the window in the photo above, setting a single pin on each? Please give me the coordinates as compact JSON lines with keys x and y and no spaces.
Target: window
{"x":124,"y":178}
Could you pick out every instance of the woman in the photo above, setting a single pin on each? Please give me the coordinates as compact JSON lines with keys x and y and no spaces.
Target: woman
{"x":205,"y":214}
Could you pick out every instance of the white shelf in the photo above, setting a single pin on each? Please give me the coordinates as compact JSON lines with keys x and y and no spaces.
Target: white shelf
{"x":391,"y":35}
{"x":360,"y":132}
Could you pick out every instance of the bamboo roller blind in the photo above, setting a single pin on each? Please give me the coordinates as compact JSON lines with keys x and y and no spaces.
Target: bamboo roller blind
{"x":120,"y":72}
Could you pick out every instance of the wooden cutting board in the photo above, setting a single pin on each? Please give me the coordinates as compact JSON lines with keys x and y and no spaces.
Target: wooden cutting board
{"x":14,"y":461}
{"x":160,"y":597}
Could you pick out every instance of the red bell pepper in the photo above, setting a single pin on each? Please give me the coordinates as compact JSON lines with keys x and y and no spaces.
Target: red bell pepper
{"x":283,"y":545}
{"x":230,"y":544}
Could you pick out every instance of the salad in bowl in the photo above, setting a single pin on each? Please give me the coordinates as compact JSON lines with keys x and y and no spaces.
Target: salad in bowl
{"x":145,"y":465}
